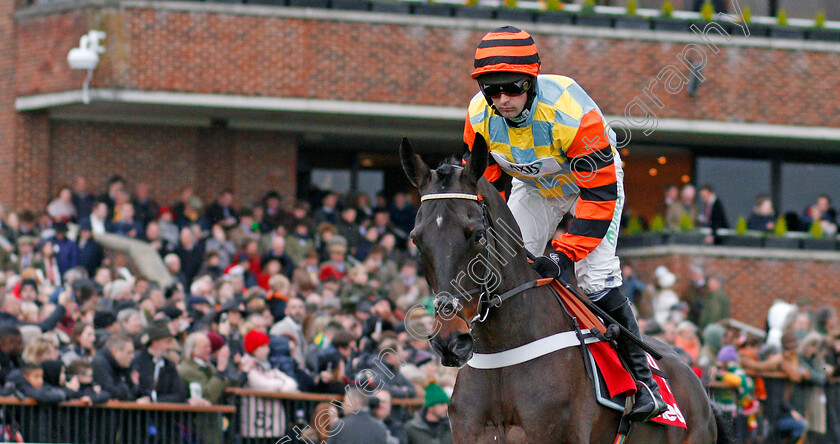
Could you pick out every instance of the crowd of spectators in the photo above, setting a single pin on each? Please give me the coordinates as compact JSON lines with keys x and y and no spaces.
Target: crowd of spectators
{"x":277,"y":297}
{"x":681,"y":207}
{"x":777,"y":385}
{"x":270,"y":296}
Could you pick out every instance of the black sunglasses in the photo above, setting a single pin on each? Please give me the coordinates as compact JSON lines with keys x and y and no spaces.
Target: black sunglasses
{"x":512,"y":89}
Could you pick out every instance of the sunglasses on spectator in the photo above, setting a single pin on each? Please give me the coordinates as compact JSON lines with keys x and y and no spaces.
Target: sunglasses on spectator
{"x":512,"y":89}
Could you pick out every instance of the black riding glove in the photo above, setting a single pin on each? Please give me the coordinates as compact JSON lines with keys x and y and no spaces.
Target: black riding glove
{"x":553,"y":265}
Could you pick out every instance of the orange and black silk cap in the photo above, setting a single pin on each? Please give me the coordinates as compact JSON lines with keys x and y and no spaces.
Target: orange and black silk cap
{"x":507,"y":49}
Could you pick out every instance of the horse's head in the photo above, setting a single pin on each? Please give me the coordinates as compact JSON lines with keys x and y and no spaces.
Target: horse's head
{"x":450,"y":232}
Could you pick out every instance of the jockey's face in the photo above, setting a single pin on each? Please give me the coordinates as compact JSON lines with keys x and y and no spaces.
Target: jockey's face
{"x":508,"y":106}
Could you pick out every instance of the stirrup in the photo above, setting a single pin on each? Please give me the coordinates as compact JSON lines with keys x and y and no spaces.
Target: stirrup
{"x":659,"y":406}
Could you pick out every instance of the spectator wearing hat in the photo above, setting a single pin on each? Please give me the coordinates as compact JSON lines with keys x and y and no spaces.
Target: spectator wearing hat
{"x":665,"y":296}
{"x":292,"y":324}
{"x":431,"y":424}
{"x":733,"y":392}
{"x":260,"y":374}
{"x":192,"y":214}
{"x":360,"y":426}
{"x":159,"y":379}
{"x":337,"y":253}
{"x":169,"y":230}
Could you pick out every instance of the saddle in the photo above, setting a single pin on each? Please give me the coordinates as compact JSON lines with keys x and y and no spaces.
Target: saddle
{"x":613,"y":384}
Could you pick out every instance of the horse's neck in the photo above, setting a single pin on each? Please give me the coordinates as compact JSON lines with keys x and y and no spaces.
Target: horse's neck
{"x":530,"y":315}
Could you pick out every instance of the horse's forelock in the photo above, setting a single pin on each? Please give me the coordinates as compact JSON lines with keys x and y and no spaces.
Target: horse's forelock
{"x":448,"y":172}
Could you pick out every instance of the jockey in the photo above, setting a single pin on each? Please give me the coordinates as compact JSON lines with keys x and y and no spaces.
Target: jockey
{"x":551,"y":153}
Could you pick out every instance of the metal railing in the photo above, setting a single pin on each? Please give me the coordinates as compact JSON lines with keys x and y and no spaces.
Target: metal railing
{"x":114,"y":422}
{"x":251,"y":417}
{"x":263,"y":416}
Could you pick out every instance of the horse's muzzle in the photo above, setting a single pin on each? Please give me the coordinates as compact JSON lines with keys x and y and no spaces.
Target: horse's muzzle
{"x":454,"y":352}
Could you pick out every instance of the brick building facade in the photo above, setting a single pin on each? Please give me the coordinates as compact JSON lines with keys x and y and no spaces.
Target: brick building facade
{"x":753,"y":278}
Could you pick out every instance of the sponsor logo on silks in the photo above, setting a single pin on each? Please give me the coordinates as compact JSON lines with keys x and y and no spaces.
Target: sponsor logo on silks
{"x":530,"y":169}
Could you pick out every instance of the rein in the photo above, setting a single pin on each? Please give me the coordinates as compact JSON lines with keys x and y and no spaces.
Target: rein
{"x":485,"y":302}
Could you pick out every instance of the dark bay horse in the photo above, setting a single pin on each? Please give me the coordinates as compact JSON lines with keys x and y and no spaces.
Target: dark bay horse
{"x":471,"y":246}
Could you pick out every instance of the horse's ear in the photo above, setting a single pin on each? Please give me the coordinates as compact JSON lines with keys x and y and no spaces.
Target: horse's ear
{"x":477,"y":162}
{"x":417,"y":171}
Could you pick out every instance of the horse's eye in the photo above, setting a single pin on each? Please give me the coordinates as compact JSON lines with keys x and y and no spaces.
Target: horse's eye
{"x":479,"y":235}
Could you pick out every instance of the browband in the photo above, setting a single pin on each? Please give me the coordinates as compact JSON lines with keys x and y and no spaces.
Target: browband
{"x":475,"y":197}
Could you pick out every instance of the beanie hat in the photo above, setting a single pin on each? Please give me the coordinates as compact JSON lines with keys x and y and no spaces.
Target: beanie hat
{"x":103,"y":319}
{"x":254,"y":340}
{"x":727,"y":354}
{"x":435,"y":395}
{"x":507,"y":49}
{"x":713,"y":336}
{"x":216,"y":341}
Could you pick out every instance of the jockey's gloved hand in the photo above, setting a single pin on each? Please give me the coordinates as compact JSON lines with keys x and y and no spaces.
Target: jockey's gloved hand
{"x":552,"y":265}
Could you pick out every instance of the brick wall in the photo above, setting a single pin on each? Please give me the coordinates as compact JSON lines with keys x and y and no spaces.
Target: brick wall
{"x":170,"y":158}
{"x":274,"y":56}
{"x":752,"y":283}
{"x":264,"y":55}
{"x":7,"y":98}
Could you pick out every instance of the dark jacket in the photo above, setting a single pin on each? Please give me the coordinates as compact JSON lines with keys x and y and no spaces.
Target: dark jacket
{"x":360,"y":428}
{"x":45,"y":325}
{"x":46,"y":394}
{"x":91,"y":256}
{"x":715,"y":216}
{"x":7,"y":365}
{"x":418,"y":430}
{"x":169,"y":386}
{"x":67,"y":255}
{"x":113,"y":378}
{"x":216,"y":213}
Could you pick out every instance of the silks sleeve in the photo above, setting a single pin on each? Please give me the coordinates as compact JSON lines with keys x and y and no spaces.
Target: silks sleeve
{"x":592,"y":163}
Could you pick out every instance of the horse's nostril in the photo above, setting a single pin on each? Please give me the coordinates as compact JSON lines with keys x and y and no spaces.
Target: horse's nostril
{"x":462,"y":344}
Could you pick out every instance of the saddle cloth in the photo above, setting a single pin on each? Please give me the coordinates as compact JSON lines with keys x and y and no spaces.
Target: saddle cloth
{"x":613,"y":383}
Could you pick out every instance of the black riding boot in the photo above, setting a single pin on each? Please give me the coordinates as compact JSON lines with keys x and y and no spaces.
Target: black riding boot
{"x":648,"y":403}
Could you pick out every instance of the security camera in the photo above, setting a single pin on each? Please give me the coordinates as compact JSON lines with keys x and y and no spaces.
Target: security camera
{"x":86,"y":56}
{"x":82,"y":58}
